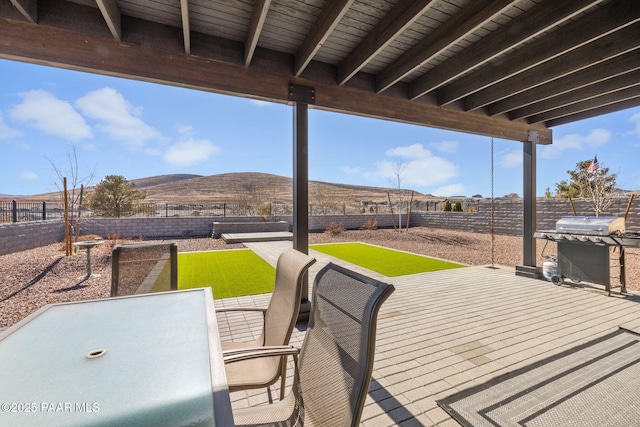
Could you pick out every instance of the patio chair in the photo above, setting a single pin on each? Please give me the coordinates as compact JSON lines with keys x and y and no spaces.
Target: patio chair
{"x":279,"y":319}
{"x":141,"y":268}
{"x":333,"y":372}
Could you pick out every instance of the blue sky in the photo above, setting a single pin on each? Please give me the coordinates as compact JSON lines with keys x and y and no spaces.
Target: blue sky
{"x":135,"y":129}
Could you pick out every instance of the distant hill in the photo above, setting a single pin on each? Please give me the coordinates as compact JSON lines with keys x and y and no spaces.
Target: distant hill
{"x":161,"y":179}
{"x":231,"y":187}
{"x":242,"y":186}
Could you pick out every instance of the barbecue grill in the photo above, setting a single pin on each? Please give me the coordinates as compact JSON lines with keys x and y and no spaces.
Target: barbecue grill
{"x":584,"y":247}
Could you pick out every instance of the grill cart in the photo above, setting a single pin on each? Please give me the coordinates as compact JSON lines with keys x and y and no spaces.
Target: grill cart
{"x":584,"y":247}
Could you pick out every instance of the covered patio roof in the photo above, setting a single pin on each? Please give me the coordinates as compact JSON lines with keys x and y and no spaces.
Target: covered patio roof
{"x":502,"y":68}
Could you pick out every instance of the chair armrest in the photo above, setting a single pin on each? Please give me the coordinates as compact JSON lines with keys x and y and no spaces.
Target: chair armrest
{"x":253,"y":353}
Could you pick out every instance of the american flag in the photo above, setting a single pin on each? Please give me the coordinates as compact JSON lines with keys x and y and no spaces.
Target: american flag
{"x":593,"y":166}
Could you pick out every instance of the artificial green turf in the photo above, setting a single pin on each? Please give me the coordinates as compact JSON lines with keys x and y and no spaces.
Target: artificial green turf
{"x":229,"y":273}
{"x":385,"y":261}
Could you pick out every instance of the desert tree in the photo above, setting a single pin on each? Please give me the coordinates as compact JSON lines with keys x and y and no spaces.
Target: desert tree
{"x":113,"y":195}
{"x":592,"y":181}
{"x":324,"y":197}
{"x":398,"y":169}
{"x":70,"y":183}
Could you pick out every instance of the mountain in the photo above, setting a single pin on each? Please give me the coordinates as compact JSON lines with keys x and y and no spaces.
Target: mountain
{"x":241,"y":186}
{"x":161,"y":179}
{"x":231,"y":187}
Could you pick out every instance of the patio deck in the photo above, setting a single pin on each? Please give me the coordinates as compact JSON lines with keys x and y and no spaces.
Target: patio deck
{"x":443,"y":332}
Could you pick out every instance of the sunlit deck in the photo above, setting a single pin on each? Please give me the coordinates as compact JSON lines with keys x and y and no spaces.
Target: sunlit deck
{"x":443,"y":332}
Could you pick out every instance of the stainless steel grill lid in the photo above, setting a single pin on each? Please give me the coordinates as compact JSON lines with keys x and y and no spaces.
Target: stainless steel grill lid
{"x":591,"y":225}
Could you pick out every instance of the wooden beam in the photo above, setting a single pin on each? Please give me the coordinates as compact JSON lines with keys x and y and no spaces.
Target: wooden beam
{"x":327,"y":21}
{"x":405,"y":13}
{"x":596,"y":102}
{"x":28,"y":9}
{"x":260,"y":9}
{"x":584,"y":30}
{"x":467,"y":20}
{"x":540,"y":18}
{"x":111,"y":15}
{"x":186,"y":26}
{"x":61,"y":48}
{"x":602,"y":71}
{"x":623,"y":105}
{"x":610,"y":85}
{"x":610,"y":46}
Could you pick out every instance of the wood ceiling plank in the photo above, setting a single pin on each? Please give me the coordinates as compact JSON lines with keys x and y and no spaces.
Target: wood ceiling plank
{"x":444,"y":36}
{"x":535,"y":21}
{"x":56,"y":47}
{"x":626,"y":94}
{"x":405,"y":13}
{"x":111,"y":14}
{"x":578,"y":33}
{"x":28,"y":9}
{"x":255,"y":28}
{"x":620,"y":82}
{"x":327,"y":21}
{"x":610,"y":46}
{"x":186,"y":26}
{"x":619,"y":106}
{"x":602,"y":71}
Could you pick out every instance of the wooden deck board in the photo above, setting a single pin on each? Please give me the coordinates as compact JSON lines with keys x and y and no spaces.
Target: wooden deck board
{"x":442,"y":332}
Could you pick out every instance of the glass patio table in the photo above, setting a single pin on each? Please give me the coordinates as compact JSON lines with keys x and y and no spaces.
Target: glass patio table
{"x":144,"y":360}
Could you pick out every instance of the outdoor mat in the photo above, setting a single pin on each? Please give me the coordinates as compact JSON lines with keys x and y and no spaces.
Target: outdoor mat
{"x":594,"y":384}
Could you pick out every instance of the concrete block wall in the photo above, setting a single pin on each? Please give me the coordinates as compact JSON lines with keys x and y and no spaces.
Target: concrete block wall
{"x":149,"y":228}
{"x":22,"y":236}
{"x":508,"y":215}
{"x":353,"y":222}
{"x":220,"y":228}
{"x":507,"y":220}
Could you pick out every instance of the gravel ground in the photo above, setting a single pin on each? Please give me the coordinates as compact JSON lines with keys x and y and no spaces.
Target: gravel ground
{"x":33,"y":278}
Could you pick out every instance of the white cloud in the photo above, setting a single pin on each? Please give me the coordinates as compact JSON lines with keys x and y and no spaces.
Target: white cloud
{"x":42,"y":110}
{"x":185,"y":130}
{"x":351,"y":171}
{"x":574,"y":141}
{"x":450,"y":147}
{"x":7,"y":132}
{"x":190,"y":151}
{"x":415,"y":151}
{"x":28,"y":175}
{"x":510,"y":160}
{"x":420,"y":167}
{"x":449,"y":190}
{"x":635,"y":119}
{"x":116,"y":117}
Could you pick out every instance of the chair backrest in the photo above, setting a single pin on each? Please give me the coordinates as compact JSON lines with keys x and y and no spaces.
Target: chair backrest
{"x":336,"y":358}
{"x":284,"y":305}
{"x":140,"y":268}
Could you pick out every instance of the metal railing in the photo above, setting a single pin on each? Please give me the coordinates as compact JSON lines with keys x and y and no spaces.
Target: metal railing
{"x":13,"y":211}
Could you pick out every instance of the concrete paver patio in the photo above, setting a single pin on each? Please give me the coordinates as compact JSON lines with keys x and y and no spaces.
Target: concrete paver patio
{"x":443,"y":332}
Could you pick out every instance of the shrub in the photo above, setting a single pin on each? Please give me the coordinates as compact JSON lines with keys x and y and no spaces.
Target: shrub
{"x":114,"y":239}
{"x":264,"y":210}
{"x":447,"y":206}
{"x":370,"y":224}
{"x":334,"y":229}
{"x":457,"y":207}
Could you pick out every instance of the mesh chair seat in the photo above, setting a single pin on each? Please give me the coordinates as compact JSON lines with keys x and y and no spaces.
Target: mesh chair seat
{"x":140,"y":268}
{"x":334,"y":369}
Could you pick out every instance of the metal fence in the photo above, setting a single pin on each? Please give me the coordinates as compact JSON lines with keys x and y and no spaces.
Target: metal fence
{"x":13,"y":211}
